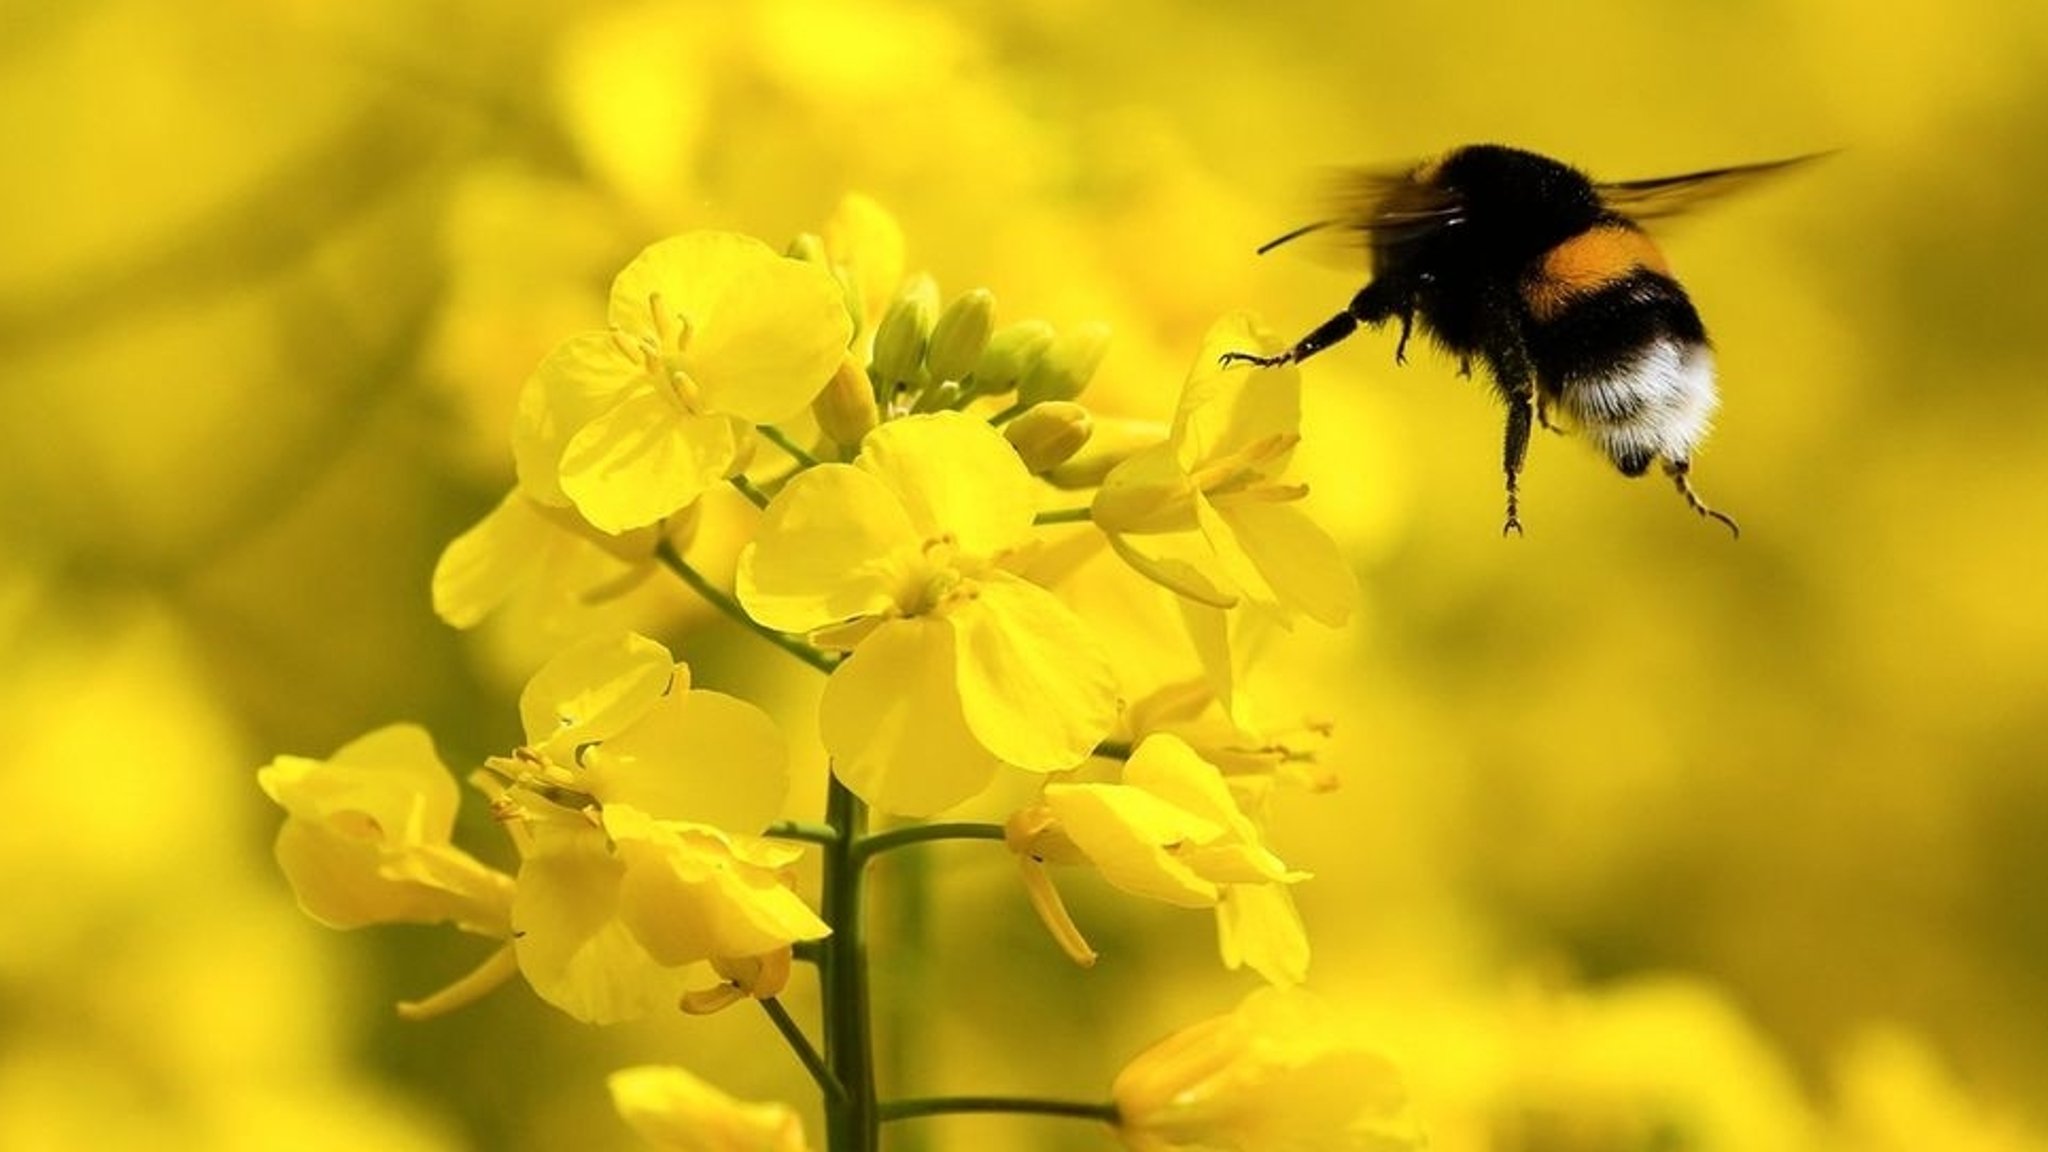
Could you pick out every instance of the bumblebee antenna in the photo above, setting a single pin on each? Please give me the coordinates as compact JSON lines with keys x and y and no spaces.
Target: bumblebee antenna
{"x":1297,"y":234}
{"x":1680,"y":472}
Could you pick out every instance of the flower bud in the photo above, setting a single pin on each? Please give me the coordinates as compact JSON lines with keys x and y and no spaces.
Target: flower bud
{"x":846,"y":408}
{"x":960,"y":335}
{"x":1048,"y":434}
{"x":1011,"y":353}
{"x":904,"y":333}
{"x":1067,"y":365}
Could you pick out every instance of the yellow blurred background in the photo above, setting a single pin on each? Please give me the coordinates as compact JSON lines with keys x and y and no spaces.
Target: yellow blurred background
{"x":1647,"y":841}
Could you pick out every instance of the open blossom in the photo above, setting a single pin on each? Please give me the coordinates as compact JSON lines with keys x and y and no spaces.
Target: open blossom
{"x":366,"y":839}
{"x":674,"y":1111}
{"x":635,"y":799}
{"x":710,"y":332}
{"x":1210,"y":513}
{"x":957,"y":663}
{"x":1279,"y":1074}
{"x":523,"y":545}
{"x":1170,"y":830}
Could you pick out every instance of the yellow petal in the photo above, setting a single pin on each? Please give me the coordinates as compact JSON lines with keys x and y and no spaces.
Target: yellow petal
{"x":1258,"y":927}
{"x":390,"y":780}
{"x":891,"y":719}
{"x":573,"y":949}
{"x":580,"y":380}
{"x":834,"y":544}
{"x":696,"y":756}
{"x":1149,"y":492}
{"x":643,"y":459}
{"x":1035,"y":686}
{"x":1128,"y":835}
{"x":486,"y":565}
{"x":1296,"y":559}
{"x":1225,"y":409}
{"x":865,"y":239}
{"x":686,"y":896}
{"x":1181,"y":562}
{"x":956,"y":477}
{"x":591,"y":691}
{"x":1231,"y":565}
{"x":676,"y":1112}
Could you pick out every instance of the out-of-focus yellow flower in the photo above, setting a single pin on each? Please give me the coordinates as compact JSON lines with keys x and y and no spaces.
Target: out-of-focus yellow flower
{"x":711,"y":331}
{"x":676,"y":1112}
{"x":523,"y":545}
{"x":1208,"y":514}
{"x":366,"y":840}
{"x":956,"y":663}
{"x":1277,"y":1075}
{"x":1170,"y":831}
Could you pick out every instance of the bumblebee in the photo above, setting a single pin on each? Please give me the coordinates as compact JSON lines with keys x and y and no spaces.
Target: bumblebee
{"x":1549,"y":280}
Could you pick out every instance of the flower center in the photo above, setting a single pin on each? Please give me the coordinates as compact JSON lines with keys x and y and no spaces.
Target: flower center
{"x":1246,"y":474}
{"x":660,"y":352}
{"x":944,"y":576}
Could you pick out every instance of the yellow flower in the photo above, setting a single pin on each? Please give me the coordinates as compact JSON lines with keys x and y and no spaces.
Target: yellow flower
{"x":523,"y":545}
{"x":1170,"y":831}
{"x":957,"y":663}
{"x":366,"y":840}
{"x":620,"y":919}
{"x":710,"y":332}
{"x":614,"y":719}
{"x":1276,"y":1075}
{"x":676,"y":1112}
{"x":626,"y":793}
{"x":1208,"y":513}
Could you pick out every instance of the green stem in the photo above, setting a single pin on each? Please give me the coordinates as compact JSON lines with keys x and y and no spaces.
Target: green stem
{"x":835,"y":1092}
{"x":1009,"y":414}
{"x":745,"y":487}
{"x":1065,"y":516}
{"x":723,"y":601}
{"x":802,"y":830}
{"x":780,"y":439}
{"x":1112,"y":750}
{"x":911,"y":1109}
{"x":868,"y":847}
{"x":852,"y":1124}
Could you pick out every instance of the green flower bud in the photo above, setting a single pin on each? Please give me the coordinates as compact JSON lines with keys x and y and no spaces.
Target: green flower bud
{"x":904,"y":333}
{"x":1067,"y":365}
{"x":1011,"y":354}
{"x":846,"y":409}
{"x":1049,"y":433}
{"x":961,"y":333}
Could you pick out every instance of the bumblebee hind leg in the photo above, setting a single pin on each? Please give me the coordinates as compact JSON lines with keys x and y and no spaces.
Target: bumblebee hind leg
{"x":1680,"y":472}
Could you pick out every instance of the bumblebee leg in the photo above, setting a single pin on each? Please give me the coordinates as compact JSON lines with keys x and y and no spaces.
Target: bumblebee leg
{"x":1520,"y":410}
{"x":1680,"y":472}
{"x":1374,"y":304}
{"x":1407,"y":326}
{"x":1465,"y":367}
{"x":1543,"y":415}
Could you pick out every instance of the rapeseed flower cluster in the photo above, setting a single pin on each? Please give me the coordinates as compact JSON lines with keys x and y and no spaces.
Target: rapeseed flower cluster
{"x":926,"y":538}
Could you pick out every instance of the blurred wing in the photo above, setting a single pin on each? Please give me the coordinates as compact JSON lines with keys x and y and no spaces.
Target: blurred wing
{"x":1359,"y":208}
{"x":1670,"y":195}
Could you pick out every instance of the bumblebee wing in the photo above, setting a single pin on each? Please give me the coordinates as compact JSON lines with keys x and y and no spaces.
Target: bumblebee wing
{"x":1670,"y":195}
{"x":1359,"y":209}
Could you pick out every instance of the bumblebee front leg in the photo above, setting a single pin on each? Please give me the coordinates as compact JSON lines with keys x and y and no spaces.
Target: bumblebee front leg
{"x":1374,"y":304}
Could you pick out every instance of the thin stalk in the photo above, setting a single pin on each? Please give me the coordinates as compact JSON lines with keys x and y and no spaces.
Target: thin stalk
{"x":802,"y":830}
{"x":780,"y":439}
{"x":723,"y":601}
{"x":835,"y":1092}
{"x":745,"y":487}
{"x":911,"y":1109}
{"x":868,"y":847}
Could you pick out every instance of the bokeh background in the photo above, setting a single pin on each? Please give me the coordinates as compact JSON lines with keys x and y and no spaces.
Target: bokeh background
{"x":1647,"y":840}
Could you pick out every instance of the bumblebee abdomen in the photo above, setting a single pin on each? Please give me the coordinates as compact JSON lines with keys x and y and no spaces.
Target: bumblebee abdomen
{"x":1628,"y":362}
